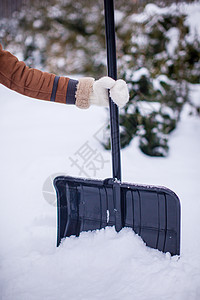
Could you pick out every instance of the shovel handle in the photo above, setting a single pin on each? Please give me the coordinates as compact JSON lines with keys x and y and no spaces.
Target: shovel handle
{"x":112,"y":72}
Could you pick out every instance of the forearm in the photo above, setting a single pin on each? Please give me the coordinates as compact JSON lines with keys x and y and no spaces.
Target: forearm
{"x":34,"y":83}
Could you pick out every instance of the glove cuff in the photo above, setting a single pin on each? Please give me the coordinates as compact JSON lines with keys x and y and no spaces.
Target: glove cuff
{"x":83,"y":92}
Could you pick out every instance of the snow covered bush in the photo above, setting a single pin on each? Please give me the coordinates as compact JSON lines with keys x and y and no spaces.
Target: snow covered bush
{"x":63,"y":37}
{"x":160,"y":57}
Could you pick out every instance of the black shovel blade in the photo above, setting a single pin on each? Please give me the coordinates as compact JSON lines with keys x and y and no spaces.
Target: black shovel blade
{"x":152,"y":212}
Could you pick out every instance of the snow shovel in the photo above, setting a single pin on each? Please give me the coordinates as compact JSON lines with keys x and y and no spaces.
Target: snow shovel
{"x":88,"y":204}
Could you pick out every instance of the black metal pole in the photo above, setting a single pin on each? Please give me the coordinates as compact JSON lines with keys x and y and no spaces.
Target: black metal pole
{"x":112,"y":72}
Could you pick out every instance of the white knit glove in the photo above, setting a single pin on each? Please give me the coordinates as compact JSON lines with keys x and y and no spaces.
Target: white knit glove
{"x":118,"y":92}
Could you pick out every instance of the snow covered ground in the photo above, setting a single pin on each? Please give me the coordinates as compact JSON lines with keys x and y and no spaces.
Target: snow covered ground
{"x":40,"y":139}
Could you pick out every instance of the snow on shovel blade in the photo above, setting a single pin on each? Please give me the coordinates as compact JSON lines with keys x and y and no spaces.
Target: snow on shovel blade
{"x":152,"y":212}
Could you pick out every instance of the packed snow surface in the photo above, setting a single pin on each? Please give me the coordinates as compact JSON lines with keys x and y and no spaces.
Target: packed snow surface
{"x":40,"y":139}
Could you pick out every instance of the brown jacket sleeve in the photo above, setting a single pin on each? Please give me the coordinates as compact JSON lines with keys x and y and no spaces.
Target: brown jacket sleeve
{"x":34,"y":83}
